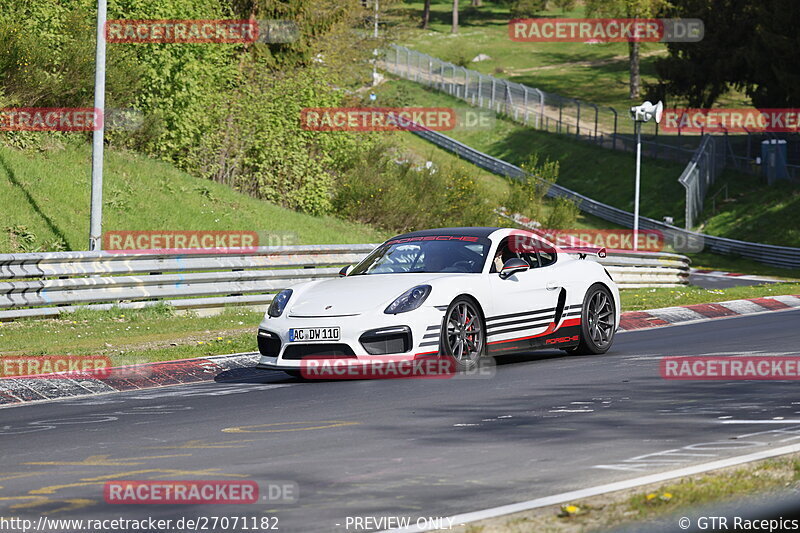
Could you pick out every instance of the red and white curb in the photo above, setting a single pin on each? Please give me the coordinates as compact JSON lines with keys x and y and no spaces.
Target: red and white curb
{"x":133,"y":377}
{"x":669,"y":316}
{"x":149,"y":375}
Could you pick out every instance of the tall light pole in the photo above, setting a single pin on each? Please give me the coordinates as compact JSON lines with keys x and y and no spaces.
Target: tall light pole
{"x":96,"y":217}
{"x":640,"y":114}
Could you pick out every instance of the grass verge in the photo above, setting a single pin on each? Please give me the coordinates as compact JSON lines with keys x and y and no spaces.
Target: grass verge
{"x":642,"y":299}
{"x":646,"y":504}
{"x":133,"y":336}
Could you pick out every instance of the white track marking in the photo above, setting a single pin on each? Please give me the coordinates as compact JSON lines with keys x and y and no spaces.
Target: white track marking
{"x":610,"y":487}
{"x":782,"y":421}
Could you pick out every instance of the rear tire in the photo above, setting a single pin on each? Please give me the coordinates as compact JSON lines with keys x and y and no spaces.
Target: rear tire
{"x":463,"y":336}
{"x":598,"y":322}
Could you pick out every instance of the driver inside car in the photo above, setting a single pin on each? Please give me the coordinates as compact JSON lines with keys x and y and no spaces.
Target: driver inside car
{"x":503,"y":254}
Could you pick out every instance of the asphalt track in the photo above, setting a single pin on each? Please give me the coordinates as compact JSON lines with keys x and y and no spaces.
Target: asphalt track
{"x":713,"y":281}
{"x":540,"y":425}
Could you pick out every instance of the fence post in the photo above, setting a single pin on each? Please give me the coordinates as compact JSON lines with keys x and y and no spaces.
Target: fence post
{"x":494,"y":83}
{"x":614,"y":136}
{"x":525,"y":104}
{"x":578,"y":123}
{"x":541,"y":110}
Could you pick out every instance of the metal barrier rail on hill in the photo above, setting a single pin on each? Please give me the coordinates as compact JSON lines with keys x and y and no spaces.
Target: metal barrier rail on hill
{"x":707,"y":156}
{"x":681,"y":239}
{"x":49,"y":284}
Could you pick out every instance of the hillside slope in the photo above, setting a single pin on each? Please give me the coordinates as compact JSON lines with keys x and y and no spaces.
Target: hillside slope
{"x":45,"y":203}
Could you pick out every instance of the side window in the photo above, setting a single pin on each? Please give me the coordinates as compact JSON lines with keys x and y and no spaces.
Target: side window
{"x":532,"y":251}
{"x":502,"y":255}
{"x":547,"y":254}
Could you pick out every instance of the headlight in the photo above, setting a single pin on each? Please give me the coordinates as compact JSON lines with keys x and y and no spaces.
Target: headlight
{"x":279,"y":303}
{"x":409,"y":300}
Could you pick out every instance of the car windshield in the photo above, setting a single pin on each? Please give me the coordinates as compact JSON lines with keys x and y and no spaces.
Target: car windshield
{"x":437,"y":253}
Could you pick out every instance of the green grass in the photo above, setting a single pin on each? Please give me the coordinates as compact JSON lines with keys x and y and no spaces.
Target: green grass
{"x":753,"y":212}
{"x":495,"y":186}
{"x":641,"y":299}
{"x":641,"y":506}
{"x":133,"y":336}
{"x":597,"y":73}
{"x":597,"y":172}
{"x":47,"y":193}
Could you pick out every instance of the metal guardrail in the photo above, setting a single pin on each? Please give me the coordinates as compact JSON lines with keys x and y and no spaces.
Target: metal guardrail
{"x":680,"y":239}
{"x":49,"y":284}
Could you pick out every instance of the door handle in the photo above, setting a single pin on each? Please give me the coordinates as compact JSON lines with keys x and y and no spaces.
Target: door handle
{"x":552,"y":286}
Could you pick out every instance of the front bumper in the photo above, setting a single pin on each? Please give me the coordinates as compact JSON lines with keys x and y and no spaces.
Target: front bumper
{"x":420,"y":327}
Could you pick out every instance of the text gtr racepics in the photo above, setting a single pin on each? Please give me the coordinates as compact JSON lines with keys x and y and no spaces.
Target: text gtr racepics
{"x":460,"y":293}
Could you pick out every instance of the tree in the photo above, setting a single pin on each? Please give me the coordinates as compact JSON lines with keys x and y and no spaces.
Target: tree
{"x":750,"y":46}
{"x":455,"y":17}
{"x":631,"y":9}
{"x":426,"y":15}
{"x":565,"y":5}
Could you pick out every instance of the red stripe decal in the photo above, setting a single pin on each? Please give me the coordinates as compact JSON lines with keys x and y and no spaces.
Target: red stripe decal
{"x":550,"y":329}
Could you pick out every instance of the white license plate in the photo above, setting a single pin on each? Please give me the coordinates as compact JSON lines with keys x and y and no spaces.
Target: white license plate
{"x":314,"y":334}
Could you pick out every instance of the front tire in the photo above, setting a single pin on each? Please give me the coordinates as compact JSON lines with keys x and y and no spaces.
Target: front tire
{"x":463,"y":336}
{"x":598,"y":322}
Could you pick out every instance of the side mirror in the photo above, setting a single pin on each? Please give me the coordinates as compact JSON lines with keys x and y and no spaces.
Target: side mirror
{"x":345,"y":270}
{"x":512,"y":266}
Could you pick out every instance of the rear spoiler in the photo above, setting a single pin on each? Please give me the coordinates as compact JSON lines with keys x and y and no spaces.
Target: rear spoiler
{"x":583,"y":251}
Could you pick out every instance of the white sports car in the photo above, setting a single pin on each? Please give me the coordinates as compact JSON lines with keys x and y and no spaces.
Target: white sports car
{"x":461,"y":293}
